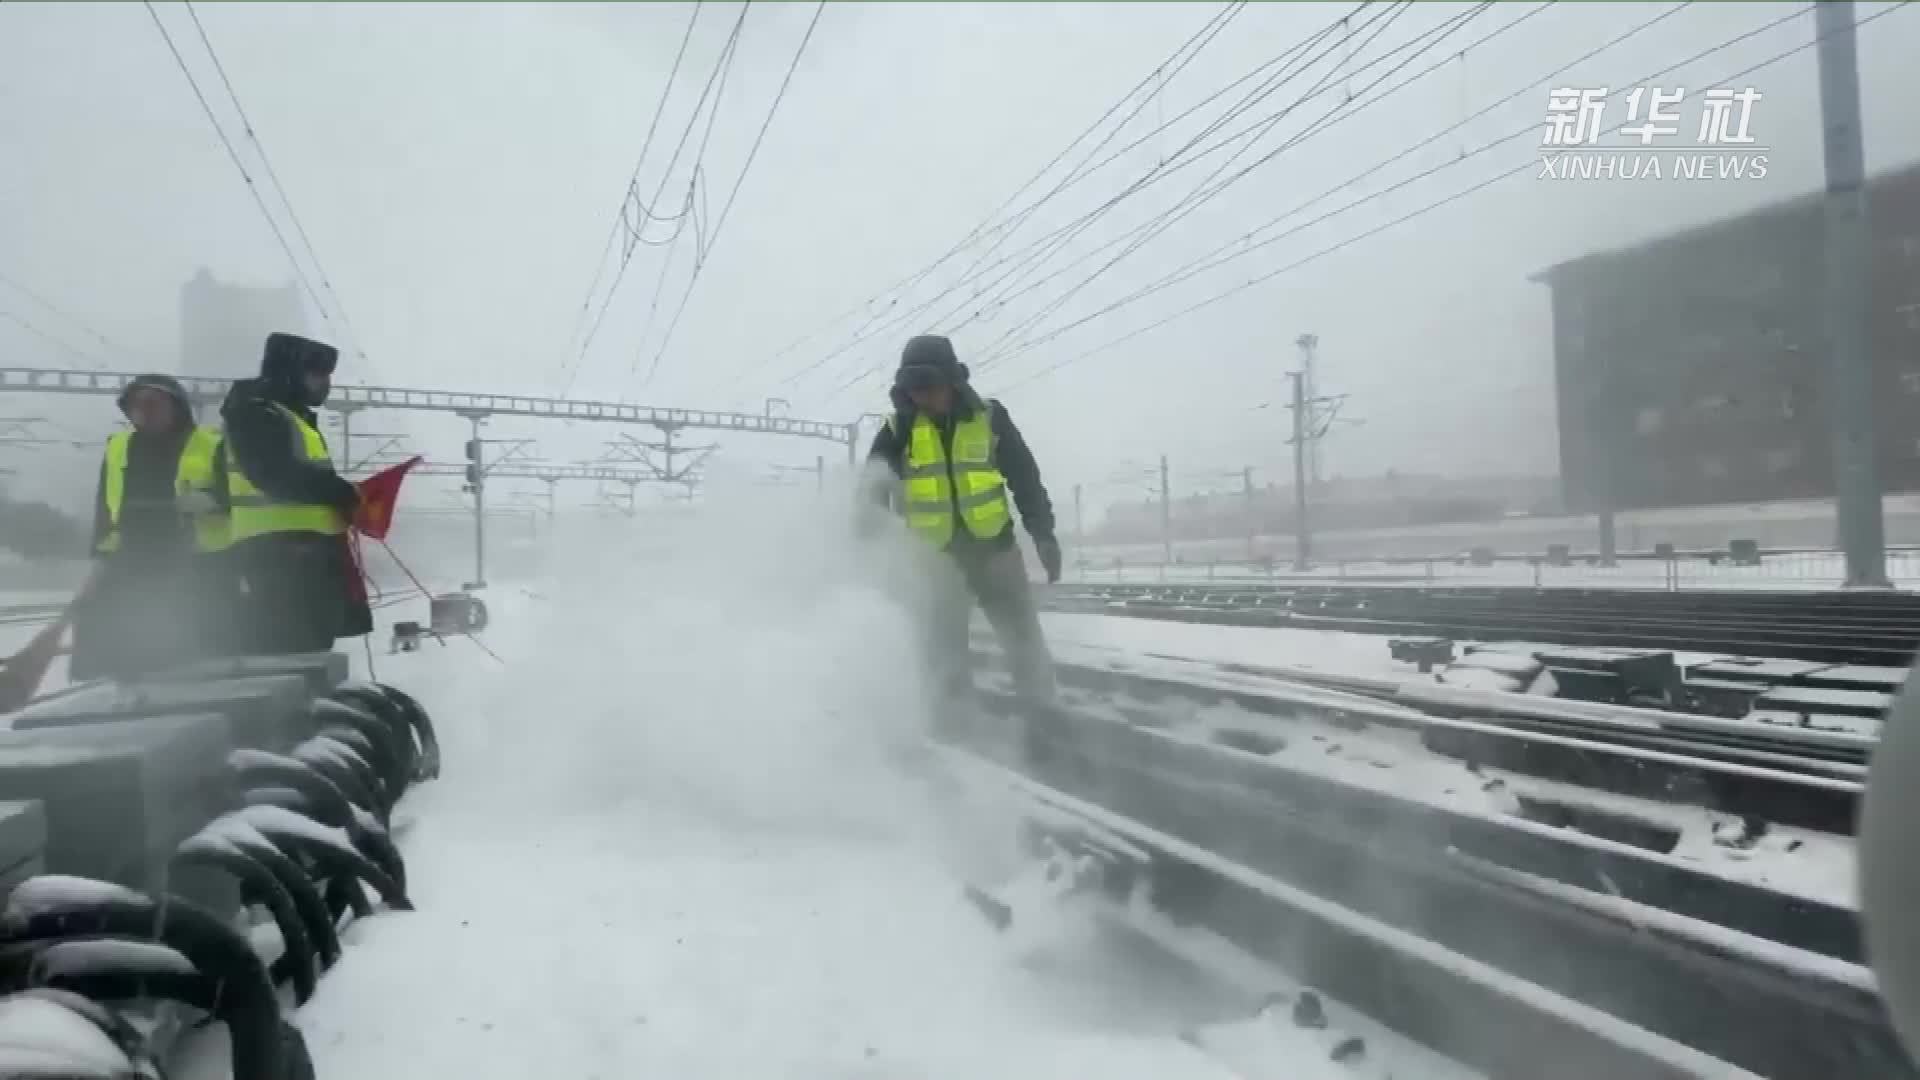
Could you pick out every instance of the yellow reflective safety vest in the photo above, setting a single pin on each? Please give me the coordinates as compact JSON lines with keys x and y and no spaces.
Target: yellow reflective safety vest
{"x":255,"y":513}
{"x":939,"y":488}
{"x":194,"y":475}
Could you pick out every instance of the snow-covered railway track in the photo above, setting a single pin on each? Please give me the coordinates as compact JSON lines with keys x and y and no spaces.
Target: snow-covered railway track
{"x":1831,"y":627}
{"x":1807,"y":779}
{"x":1575,"y":918}
{"x":1394,"y":1003}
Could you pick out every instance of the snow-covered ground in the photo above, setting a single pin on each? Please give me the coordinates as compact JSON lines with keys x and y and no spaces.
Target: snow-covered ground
{"x":674,"y":838}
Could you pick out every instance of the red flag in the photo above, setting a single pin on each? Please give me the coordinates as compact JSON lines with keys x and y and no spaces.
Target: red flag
{"x":379,"y":494}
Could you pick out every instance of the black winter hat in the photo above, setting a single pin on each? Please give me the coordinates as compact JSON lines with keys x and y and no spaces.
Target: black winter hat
{"x":929,"y":360}
{"x":289,"y":356}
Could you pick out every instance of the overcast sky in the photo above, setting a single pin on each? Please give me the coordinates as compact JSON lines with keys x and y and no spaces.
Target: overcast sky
{"x":458,"y":168}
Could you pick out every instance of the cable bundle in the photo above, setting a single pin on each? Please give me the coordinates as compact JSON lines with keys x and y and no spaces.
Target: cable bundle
{"x":309,"y":835}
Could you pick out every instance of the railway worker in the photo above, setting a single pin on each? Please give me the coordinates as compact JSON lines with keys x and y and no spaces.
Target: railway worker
{"x":952,"y":459}
{"x":291,"y":508}
{"x":158,"y":594}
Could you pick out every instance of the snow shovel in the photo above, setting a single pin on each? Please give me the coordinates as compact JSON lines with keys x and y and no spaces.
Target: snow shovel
{"x":21,"y":673}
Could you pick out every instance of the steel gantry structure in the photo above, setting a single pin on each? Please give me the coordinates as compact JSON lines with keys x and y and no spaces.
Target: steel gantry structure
{"x":348,"y":400}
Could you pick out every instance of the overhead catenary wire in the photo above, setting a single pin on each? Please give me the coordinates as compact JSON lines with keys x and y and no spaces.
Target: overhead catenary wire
{"x":1162,"y":170}
{"x":1200,"y":192}
{"x":1200,"y":195}
{"x":987,"y":225}
{"x":1160,"y":77}
{"x":1489,"y":182}
{"x":630,"y":192}
{"x":33,"y":328}
{"x":1352,"y":106}
{"x":233,"y":155}
{"x":727,"y":207}
{"x":65,"y":315}
{"x":699,"y":234}
{"x":273,"y":177}
{"x":1245,"y":241}
{"x":1044,"y":246}
{"x":1013,"y":281}
{"x":733,"y":38}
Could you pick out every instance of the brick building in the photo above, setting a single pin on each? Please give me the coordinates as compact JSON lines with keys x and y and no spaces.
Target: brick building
{"x":1692,"y":365}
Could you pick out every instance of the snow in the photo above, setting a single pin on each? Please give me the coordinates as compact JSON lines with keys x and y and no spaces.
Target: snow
{"x":676,"y":836}
{"x":37,"y":1034}
{"x":1310,"y":650}
{"x":278,"y":819}
{"x":58,"y":892}
{"x":108,"y":956}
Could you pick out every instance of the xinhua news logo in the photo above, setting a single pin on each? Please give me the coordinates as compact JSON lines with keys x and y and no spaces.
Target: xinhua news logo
{"x":1648,"y":144}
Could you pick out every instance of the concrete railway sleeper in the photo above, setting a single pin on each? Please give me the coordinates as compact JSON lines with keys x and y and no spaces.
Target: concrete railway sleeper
{"x":306,"y":834}
{"x":1775,"y":1012}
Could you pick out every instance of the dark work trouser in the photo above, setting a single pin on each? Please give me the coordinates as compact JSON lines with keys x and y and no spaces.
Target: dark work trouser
{"x":996,"y":578}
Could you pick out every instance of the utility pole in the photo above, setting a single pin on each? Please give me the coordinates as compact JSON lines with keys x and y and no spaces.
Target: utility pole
{"x":1253,"y":520}
{"x":1308,"y":343}
{"x":1862,"y":531}
{"x":477,"y":469}
{"x":1079,"y":525}
{"x":820,"y":474}
{"x":1302,"y":532}
{"x":1166,"y":516}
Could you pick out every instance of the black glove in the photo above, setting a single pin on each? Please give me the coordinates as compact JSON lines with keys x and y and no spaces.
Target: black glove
{"x":1049,"y":551}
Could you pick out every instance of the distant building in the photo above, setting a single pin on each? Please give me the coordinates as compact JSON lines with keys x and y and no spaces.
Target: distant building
{"x":1690,"y":369}
{"x":223,"y":326}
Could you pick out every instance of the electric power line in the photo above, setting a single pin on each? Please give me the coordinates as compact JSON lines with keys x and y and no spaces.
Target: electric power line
{"x":994,"y":353}
{"x":630,"y":192}
{"x":36,"y":331}
{"x":1162,"y":170}
{"x":234,"y":155}
{"x":733,"y":39}
{"x":1215,"y":258}
{"x":1458,"y":195}
{"x":273,"y":178}
{"x":986,"y":224}
{"x":75,"y":320}
{"x":1012,"y":282}
{"x":1198,"y":195}
{"x":727,"y":207}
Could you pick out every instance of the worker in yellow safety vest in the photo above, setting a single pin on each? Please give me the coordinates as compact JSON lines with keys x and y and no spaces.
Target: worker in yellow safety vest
{"x":159,"y":593}
{"x":955,"y":467}
{"x":291,"y":508}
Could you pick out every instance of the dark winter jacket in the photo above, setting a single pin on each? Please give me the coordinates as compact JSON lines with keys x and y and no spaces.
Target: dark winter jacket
{"x":265,"y":443}
{"x":1012,"y":456}
{"x":297,"y":586}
